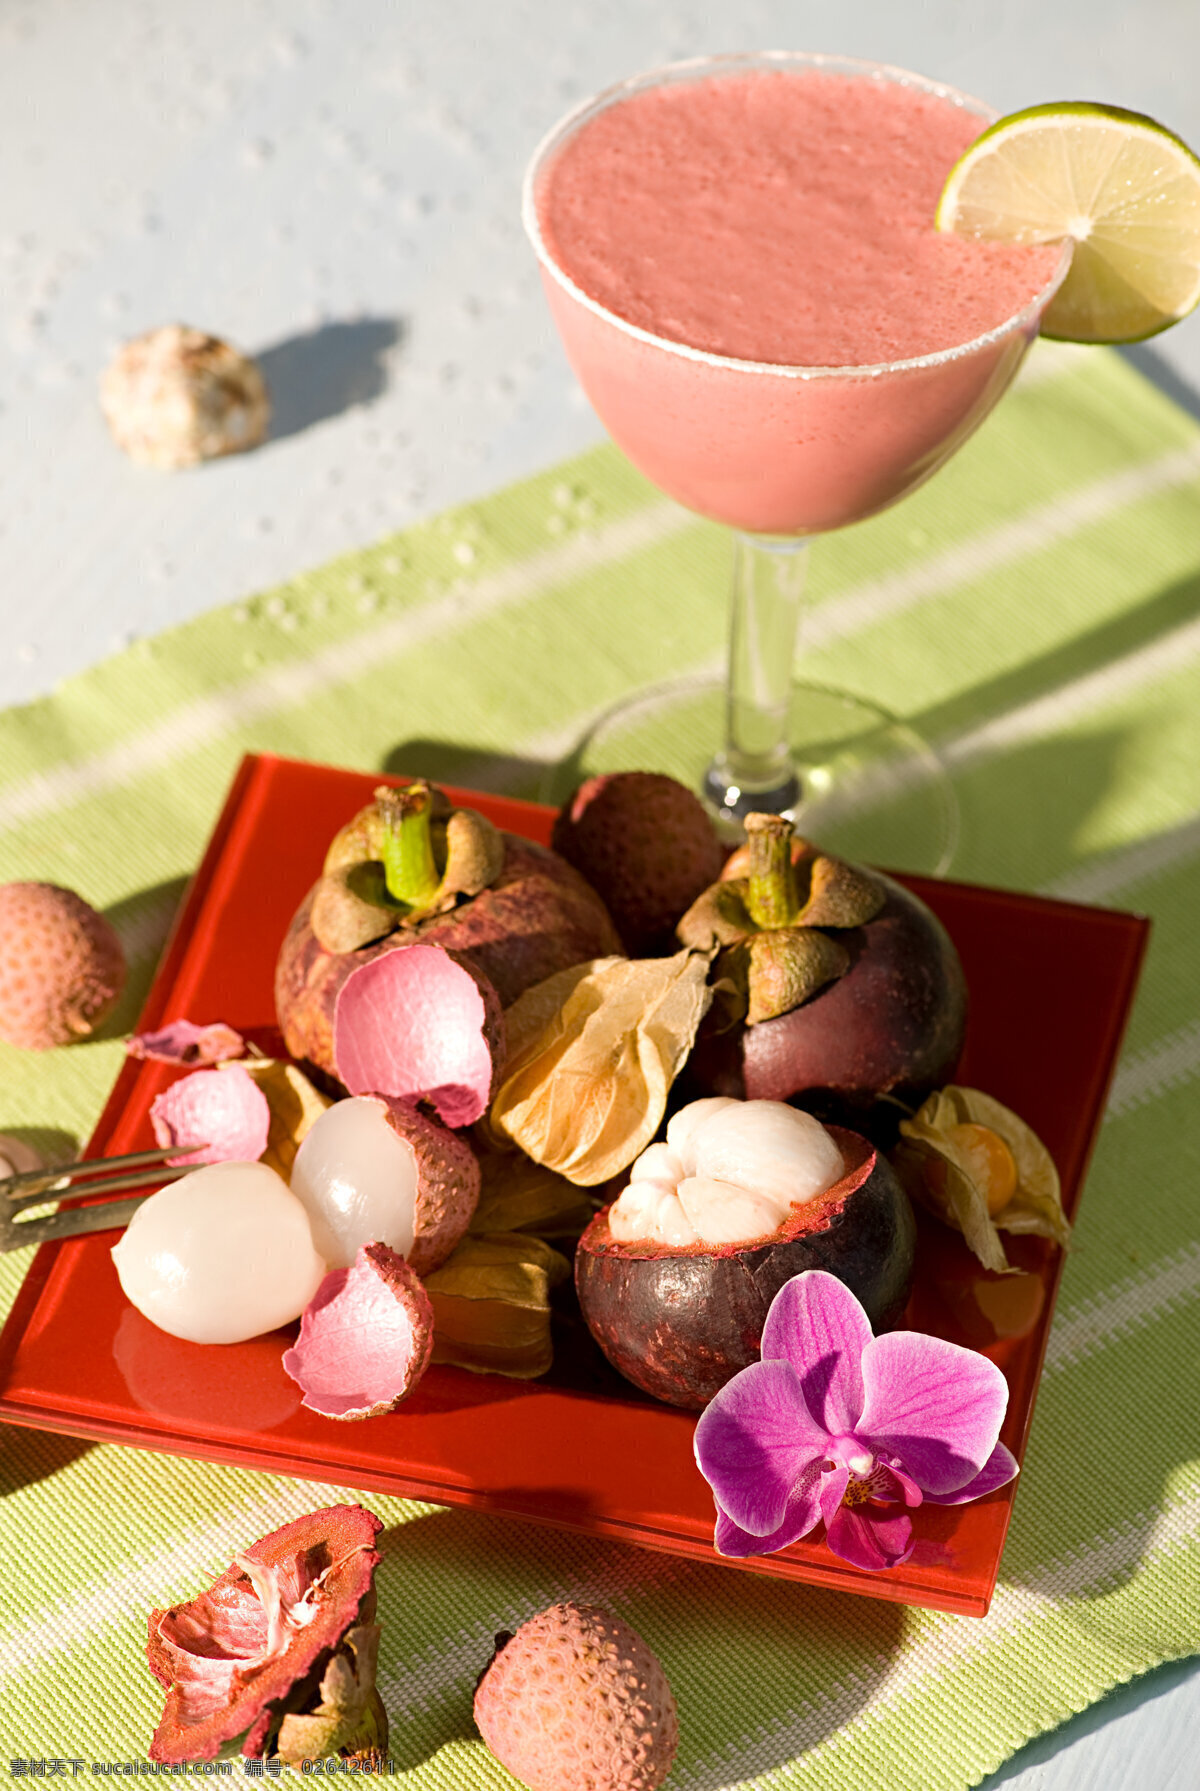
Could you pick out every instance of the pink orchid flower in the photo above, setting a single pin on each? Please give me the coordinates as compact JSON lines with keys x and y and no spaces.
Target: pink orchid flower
{"x":839,"y":1425}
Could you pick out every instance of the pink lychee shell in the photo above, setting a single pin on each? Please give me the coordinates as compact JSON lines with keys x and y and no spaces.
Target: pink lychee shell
{"x":62,"y":968}
{"x":577,"y":1701}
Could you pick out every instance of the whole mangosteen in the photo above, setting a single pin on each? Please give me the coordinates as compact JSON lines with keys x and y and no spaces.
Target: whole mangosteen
{"x":847,"y":989}
{"x":676,"y":1277}
{"x":410,"y":869}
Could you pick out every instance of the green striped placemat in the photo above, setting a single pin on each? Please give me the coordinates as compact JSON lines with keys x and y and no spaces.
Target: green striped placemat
{"x":1034,"y":609}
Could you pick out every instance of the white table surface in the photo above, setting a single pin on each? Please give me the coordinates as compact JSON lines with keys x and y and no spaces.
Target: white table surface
{"x":333,"y":184}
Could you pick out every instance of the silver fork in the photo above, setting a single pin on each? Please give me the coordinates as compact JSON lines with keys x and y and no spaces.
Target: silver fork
{"x":34,"y":1187}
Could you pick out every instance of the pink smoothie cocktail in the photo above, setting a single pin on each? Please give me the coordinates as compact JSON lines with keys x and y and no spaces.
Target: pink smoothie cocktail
{"x":741,"y":260}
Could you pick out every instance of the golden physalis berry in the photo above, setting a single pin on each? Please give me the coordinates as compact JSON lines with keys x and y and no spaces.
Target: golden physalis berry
{"x":989,"y":1162}
{"x":977,"y":1166}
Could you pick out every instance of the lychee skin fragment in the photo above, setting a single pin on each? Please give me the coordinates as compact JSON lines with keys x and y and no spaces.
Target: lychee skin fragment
{"x":576,"y":1701}
{"x":62,"y":968}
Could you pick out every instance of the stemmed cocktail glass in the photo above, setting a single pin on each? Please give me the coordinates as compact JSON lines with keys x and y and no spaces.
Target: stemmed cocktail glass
{"x":779,"y":453}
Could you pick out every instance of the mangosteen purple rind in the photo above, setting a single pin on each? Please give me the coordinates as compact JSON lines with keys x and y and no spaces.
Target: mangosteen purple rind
{"x":889,"y":1030}
{"x":680,"y":1322}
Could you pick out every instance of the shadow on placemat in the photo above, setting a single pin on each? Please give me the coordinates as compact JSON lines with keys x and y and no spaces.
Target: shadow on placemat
{"x":470,"y":767}
{"x":323,"y":372}
{"x":729,"y":1641}
{"x":1153,"y":365}
{"x":28,"y":1456}
{"x":143,"y":922}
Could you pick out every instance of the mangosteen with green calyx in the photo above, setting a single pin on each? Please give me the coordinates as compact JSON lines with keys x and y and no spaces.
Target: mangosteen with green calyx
{"x":405,"y":857}
{"x":676,"y":1277}
{"x":412,"y":869}
{"x":852,"y":997}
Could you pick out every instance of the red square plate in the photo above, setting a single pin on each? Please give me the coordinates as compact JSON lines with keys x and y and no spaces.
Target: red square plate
{"x":1051,"y":985}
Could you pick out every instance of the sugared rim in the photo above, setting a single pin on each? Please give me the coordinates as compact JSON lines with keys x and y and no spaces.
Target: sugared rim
{"x":693,"y":69}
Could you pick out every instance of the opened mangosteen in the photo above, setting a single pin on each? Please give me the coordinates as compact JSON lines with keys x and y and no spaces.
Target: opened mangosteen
{"x":676,"y":1277}
{"x":412,"y":869}
{"x":845,"y":994}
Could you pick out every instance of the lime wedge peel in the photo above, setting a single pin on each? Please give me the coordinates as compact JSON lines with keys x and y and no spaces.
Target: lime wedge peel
{"x":1123,"y":188}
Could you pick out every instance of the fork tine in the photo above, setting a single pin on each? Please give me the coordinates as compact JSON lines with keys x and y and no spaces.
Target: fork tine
{"x":121,"y":1184}
{"x":12,"y":1186}
{"x":73,"y":1221}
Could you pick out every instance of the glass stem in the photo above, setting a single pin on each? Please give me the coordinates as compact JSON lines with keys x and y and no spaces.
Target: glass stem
{"x":755,"y":771}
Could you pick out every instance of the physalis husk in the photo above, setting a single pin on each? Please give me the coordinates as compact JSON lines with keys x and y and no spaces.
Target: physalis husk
{"x":980,"y":1186}
{"x":491,"y":1304}
{"x":593,"y":1052}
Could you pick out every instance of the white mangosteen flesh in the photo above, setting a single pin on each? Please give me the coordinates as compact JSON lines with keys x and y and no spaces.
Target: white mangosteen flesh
{"x":357,"y":1180}
{"x":223,"y":1254}
{"x":730,"y":1171}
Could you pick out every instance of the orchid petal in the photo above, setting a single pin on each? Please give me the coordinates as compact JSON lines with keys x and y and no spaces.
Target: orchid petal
{"x":999,"y":1468}
{"x":867,"y":1541}
{"x":817,"y":1325}
{"x":895,"y":1486}
{"x":833,"y":1489}
{"x":753,"y":1443}
{"x":803,"y":1513}
{"x":934,"y":1406}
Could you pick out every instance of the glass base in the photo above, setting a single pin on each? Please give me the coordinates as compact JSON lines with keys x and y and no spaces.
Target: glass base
{"x":869,"y":786}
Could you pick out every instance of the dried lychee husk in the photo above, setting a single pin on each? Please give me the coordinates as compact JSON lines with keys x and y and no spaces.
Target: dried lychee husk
{"x":577,"y":1699}
{"x":258,"y":1644}
{"x":183,"y":1042}
{"x":62,"y":968}
{"x":177,"y":396}
{"x":647,"y":845}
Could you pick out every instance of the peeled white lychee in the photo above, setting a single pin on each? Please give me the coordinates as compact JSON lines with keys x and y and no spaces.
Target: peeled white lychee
{"x":577,"y":1699}
{"x":729,"y":1171}
{"x":223,"y":1254}
{"x":376,"y":1170}
{"x":62,"y":968}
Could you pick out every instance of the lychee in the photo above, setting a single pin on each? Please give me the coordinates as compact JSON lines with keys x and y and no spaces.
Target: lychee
{"x":223,"y":1254}
{"x":62,"y":968}
{"x":576,"y":1701}
{"x":377,"y":1170}
{"x":646,"y":845}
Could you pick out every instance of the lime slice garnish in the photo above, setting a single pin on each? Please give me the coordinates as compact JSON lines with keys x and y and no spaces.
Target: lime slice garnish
{"x":1124,"y":189}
